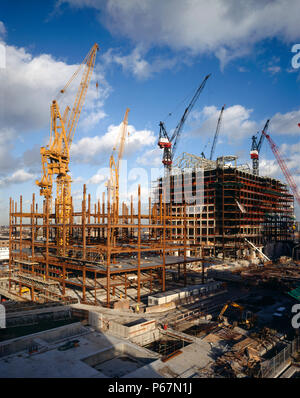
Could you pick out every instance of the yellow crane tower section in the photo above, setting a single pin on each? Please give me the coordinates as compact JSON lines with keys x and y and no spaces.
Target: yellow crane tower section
{"x":56,"y":155}
{"x":114,"y":166}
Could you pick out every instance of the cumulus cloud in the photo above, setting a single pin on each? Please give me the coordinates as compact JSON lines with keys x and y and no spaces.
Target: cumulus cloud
{"x":18,"y":177}
{"x":136,"y":63}
{"x":2,"y":29}
{"x":28,"y":85}
{"x":226,"y":28}
{"x":285,"y":123}
{"x":290,"y":154}
{"x":7,"y":160}
{"x":269,"y":168}
{"x":100,"y":177}
{"x":236,"y":122}
{"x":98,"y":148}
{"x":151,"y":157}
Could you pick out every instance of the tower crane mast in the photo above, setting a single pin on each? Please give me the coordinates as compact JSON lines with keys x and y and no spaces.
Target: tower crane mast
{"x":55,"y":156}
{"x":255,"y":148}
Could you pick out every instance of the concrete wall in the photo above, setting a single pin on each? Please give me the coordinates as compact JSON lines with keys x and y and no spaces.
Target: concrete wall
{"x":146,"y":338}
{"x":129,"y":332}
{"x":179,"y":294}
{"x":103,"y":355}
{"x":34,"y":316}
{"x":119,"y":349}
{"x":13,"y":346}
{"x":95,"y":320}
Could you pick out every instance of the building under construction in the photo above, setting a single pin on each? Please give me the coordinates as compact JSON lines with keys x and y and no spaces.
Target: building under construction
{"x":235,"y":206}
{"x":195,"y":249}
{"x":107,"y":254}
{"x":102,"y":251}
{"x":102,"y":259}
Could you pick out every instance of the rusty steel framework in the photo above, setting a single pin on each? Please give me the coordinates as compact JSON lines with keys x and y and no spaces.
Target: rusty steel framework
{"x":101,"y":258}
{"x":237,"y":205}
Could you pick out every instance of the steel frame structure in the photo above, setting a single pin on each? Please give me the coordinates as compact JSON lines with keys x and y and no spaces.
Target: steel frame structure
{"x":101,"y":255}
{"x":237,"y":205}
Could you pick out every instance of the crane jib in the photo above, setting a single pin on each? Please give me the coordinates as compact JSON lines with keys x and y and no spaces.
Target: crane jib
{"x":170,"y":144}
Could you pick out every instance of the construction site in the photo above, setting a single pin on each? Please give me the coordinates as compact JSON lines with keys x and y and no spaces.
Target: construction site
{"x":201,"y":284}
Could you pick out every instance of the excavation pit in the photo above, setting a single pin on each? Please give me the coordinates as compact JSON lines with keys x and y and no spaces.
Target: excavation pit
{"x":167,"y":346}
{"x":200,"y":330}
{"x":118,"y":361}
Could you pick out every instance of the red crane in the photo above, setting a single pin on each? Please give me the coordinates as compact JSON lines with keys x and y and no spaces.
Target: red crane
{"x":283,"y":166}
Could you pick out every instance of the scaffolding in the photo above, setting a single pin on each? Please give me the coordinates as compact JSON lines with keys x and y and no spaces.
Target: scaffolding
{"x":237,"y":205}
{"x":102,"y":258}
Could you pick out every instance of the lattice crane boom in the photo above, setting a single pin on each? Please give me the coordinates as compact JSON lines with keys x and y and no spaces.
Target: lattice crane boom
{"x":255,"y":148}
{"x":56,"y":155}
{"x":283,"y":167}
{"x":114,"y":165}
{"x":89,"y":64}
{"x":216,"y":133}
{"x":168,"y":144}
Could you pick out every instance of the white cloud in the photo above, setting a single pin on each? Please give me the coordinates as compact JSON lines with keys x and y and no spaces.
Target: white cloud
{"x":274,"y":69}
{"x":28,"y":85}
{"x":2,"y":29}
{"x":17,"y":177}
{"x":99,"y":177}
{"x":269,"y":168}
{"x":98,"y":148}
{"x":236,"y":122}
{"x":77,"y":180}
{"x":7,"y":160}
{"x":290,"y":153}
{"x":227,"y":28}
{"x":285,"y":123}
{"x":136,"y":63}
{"x":152,"y":157}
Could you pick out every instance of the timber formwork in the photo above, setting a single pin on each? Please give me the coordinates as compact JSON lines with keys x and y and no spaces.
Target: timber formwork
{"x":237,"y":205}
{"x":106,"y":254}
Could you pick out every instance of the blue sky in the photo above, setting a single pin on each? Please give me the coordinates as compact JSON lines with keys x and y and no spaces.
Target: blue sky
{"x":153,"y":56}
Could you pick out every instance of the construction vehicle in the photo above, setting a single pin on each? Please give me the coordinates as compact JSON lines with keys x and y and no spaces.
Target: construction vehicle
{"x":255,"y":148}
{"x":25,"y":290}
{"x":169,"y":144}
{"x":56,"y":155}
{"x":247,"y":318}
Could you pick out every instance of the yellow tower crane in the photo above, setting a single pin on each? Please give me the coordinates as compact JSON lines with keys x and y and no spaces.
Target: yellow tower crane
{"x":114,"y":166}
{"x":56,"y":155}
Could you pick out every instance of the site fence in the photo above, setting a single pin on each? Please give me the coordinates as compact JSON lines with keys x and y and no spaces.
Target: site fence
{"x":272,"y":367}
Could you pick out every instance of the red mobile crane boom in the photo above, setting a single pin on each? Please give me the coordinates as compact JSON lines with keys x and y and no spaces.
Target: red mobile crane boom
{"x":283,"y":166}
